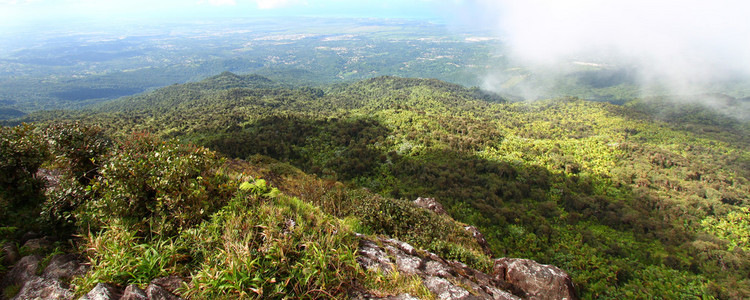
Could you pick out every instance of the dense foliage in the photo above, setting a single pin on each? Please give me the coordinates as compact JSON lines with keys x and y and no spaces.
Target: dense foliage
{"x":151,"y":208}
{"x":21,"y":155}
{"x":643,"y":200}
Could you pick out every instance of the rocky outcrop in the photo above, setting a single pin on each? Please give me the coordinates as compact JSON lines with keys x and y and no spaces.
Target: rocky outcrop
{"x":62,"y":268}
{"x":51,"y":284}
{"x":65,"y":266}
{"x":23,"y":275}
{"x":511,"y":278}
{"x":102,"y":291}
{"x":23,"y":271}
{"x":44,"y":288}
{"x":536,"y":280}
{"x":154,"y":291}
{"x":431,"y":204}
{"x":446,"y":279}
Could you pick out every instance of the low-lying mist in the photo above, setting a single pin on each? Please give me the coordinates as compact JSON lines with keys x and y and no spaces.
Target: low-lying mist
{"x":671,"y":47}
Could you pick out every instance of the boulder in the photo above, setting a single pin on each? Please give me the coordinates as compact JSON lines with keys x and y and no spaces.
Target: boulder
{"x":23,"y":271}
{"x":445,"y":289}
{"x":170,"y":283}
{"x":156,"y":292}
{"x":536,"y":280}
{"x":133,"y":292}
{"x":102,"y":291}
{"x":431,"y":204}
{"x":65,"y":266}
{"x":44,"y":288}
{"x":372,"y":257}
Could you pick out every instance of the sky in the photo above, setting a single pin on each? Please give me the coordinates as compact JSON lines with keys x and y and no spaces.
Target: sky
{"x":24,"y":12}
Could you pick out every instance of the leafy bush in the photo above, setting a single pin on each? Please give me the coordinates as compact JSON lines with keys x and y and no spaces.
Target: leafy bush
{"x":77,"y":150}
{"x":22,"y":152}
{"x":734,"y":228}
{"x":59,"y":209}
{"x":77,"y":147}
{"x":158,"y":187}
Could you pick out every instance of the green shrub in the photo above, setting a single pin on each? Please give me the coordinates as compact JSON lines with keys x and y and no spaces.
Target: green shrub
{"x":77,"y":147}
{"x":22,"y":152}
{"x":158,"y":187}
{"x":59,"y":210}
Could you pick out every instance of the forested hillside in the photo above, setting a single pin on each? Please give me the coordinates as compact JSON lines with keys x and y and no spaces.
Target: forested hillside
{"x":647,"y":199}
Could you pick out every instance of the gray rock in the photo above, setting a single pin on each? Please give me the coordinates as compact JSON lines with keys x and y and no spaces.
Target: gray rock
{"x":65,"y":266}
{"x":536,"y":280}
{"x":431,"y":204}
{"x":405,"y":247}
{"x":102,"y":291}
{"x":444,"y":289}
{"x":10,"y":254}
{"x":406,"y":264}
{"x":435,"y":268}
{"x":155,"y":292}
{"x":133,"y":292}
{"x":43,"y":288}
{"x":372,"y":257}
{"x":22,"y":271}
{"x":170,"y":283}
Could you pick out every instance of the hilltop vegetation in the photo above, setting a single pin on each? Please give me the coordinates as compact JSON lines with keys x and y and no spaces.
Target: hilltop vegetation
{"x":632,"y":202}
{"x":144,"y":208}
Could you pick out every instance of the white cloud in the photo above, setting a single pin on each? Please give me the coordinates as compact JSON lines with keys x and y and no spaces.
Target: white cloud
{"x":687,"y":42}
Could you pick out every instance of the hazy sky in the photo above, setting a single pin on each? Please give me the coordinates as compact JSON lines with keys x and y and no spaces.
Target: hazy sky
{"x":21,"y":12}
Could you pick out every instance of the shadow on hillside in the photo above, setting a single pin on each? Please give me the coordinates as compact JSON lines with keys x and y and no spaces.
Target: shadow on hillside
{"x":496,"y":193}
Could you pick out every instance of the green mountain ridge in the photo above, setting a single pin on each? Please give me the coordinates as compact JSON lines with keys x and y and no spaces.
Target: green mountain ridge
{"x":634,"y":201}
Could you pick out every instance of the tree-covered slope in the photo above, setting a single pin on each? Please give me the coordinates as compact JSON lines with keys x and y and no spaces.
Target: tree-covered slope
{"x":630,"y":202}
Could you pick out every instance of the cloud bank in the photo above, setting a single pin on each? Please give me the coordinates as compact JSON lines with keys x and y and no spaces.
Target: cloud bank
{"x":685,"y":44}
